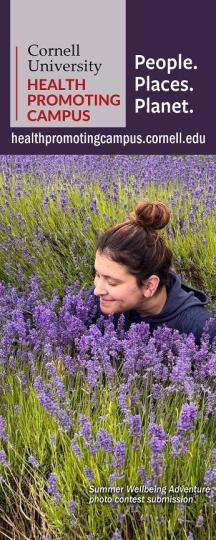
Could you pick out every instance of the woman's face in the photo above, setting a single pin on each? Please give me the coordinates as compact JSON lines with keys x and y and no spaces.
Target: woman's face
{"x":116,"y":288}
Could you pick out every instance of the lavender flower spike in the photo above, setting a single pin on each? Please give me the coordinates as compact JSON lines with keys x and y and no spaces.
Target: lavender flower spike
{"x":53,"y":488}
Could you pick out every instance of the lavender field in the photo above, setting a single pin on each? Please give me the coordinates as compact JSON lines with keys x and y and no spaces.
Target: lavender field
{"x":104,"y":434}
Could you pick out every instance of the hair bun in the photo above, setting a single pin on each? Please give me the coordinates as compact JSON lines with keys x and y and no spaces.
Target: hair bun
{"x":154,"y":215}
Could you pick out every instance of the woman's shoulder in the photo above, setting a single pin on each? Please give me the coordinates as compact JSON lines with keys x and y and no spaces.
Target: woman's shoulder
{"x":197,"y":320}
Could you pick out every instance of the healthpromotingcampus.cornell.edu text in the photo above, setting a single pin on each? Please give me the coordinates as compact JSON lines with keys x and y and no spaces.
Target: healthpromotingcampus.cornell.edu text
{"x":100,"y":139}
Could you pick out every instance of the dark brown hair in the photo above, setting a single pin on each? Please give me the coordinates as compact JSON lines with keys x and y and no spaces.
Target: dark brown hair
{"x":137,"y":244}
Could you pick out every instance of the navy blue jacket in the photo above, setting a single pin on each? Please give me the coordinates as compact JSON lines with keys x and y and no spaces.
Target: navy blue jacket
{"x":184,"y":310}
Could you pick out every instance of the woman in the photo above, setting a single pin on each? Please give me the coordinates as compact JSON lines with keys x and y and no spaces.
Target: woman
{"x":134,"y":276}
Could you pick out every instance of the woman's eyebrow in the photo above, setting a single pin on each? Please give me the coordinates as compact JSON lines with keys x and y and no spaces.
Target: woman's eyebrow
{"x":109,"y":277}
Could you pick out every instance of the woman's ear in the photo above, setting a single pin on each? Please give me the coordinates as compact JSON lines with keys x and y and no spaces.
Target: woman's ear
{"x":150,"y":286}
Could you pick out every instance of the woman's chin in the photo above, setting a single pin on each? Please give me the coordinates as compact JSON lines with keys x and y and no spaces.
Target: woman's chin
{"x":106,"y":306}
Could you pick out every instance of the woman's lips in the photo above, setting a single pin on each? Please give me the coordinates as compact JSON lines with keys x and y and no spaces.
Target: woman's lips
{"x":103,"y":301}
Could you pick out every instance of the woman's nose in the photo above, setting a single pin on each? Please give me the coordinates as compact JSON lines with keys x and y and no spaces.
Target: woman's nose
{"x":99,"y":289}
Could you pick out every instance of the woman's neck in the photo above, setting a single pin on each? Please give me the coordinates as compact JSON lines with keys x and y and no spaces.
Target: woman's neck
{"x":155,"y":304}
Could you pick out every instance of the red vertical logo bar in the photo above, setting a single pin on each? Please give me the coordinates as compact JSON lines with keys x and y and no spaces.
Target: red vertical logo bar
{"x":16,"y":68}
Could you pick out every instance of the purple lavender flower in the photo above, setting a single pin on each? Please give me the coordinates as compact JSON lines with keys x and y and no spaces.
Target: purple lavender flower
{"x":158,"y":445}
{"x":59,"y":387}
{"x":159,"y":520}
{"x":123,"y":404}
{"x":210,"y":476}
{"x":76,"y":449}
{"x":85,"y":428}
{"x":187,"y":418}
{"x":17,"y":409}
{"x":135,"y":426}
{"x":52,"y":439}
{"x":71,"y":507}
{"x":119,"y":454}
{"x":181,"y":517}
{"x":70,"y":364}
{"x":53,"y":488}
{"x":200,"y":521}
{"x":105,"y":441}
{"x":50,"y":403}
{"x":112,"y":477}
{"x":178,"y":446}
{"x":3,"y":429}
{"x":3,"y":459}
{"x":22,"y":378}
{"x":185,"y":424}
{"x":89,"y":474}
{"x":142,"y":474}
{"x":33,"y":461}
{"x":116,"y":536}
{"x":212,"y":366}
{"x":214,"y":455}
{"x":211,"y":403}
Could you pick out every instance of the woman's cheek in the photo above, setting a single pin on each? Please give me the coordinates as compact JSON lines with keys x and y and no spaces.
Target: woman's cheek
{"x":110,"y":290}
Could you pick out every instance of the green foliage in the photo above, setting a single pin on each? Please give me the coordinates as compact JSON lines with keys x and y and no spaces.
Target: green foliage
{"x":25,"y":488}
